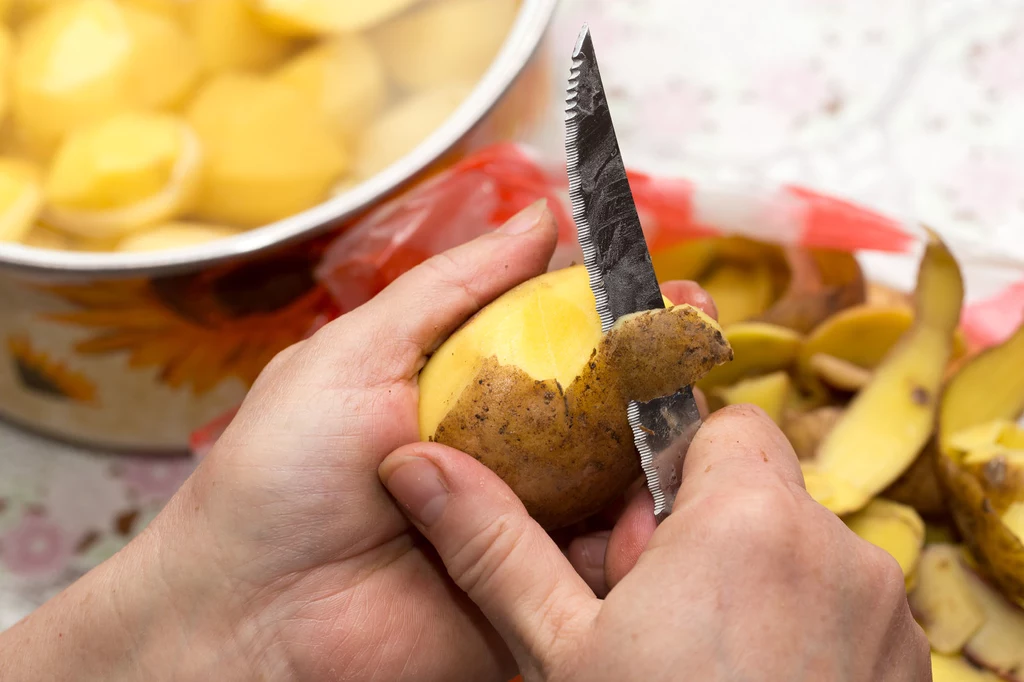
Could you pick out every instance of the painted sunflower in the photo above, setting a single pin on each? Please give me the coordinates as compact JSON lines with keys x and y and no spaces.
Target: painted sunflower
{"x":202,"y":328}
{"x":44,"y":375}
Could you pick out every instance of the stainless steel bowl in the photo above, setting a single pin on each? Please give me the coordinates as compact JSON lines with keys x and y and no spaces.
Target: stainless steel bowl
{"x":520,"y":47}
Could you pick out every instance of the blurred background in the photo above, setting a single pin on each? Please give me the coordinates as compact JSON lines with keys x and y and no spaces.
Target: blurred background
{"x":911,"y":108}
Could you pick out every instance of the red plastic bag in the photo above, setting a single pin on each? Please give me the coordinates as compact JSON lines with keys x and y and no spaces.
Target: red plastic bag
{"x":483,"y":191}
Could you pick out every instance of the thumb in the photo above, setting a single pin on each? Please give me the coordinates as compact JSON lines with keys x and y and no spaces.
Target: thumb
{"x":492,"y":549}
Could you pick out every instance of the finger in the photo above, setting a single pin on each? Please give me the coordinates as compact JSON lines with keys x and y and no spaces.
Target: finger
{"x":681,"y":291}
{"x":737,"y":446}
{"x":630,"y":536}
{"x":587,"y":555}
{"x":491,"y":547}
{"x":425,"y":305}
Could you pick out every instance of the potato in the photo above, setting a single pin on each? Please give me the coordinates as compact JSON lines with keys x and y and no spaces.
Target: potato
{"x":531,"y":388}
{"x":127,"y":172}
{"x":919,"y":487}
{"x":21,"y":198}
{"x":997,"y":644}
{"x":318,"y":17}
{"x":740,"y":292}
{"x":404,"y":126}
{"x":344,"y":79}
{"x":891,"y":419}
{"x":268,"y":152}
{"x":230,"y":36}
{"x":71,"y":68}
{"x":943,"y":602}
{"x":837,"y":373}
{"x":165,"y":62}
{"x":986,"y":392}
{"x":174,"y":236}
{"x":418,"y":58}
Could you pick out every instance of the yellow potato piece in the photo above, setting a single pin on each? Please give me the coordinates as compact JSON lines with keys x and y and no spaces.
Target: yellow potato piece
{"x":740,"y":292}
{"x":268,"y":153}
{"x":894,"y":527}
{"x":21,"y":198}
{"x":165,"y":61}
{"x":344,"y":79}
{"x":759,"y":348}
{"x":942,"y":601}
{"x":169,"y":9}
{"x":174,"y":236}
{"x":890,"y":419}
{"x":997,"y":644}
{"x":441,"y":42}
{"x":43,"y":237}
{"x":958,"y":669}
{"x":770,"y":393}
{"x":974,"y":438}
{"x":404,"y":127}
{"x":229,"y":35}
{"x":129,"y":171}
{"x":71,"y":68}
{"x":832,"y":492}
{"x":318,"y":17}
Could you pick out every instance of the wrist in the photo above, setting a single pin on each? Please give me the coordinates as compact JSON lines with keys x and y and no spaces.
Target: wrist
{"x":144,"y":614}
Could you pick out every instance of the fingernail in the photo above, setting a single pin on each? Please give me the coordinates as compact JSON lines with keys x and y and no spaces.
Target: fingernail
{"x":594,"y":549}
{"x":525,"y":220}
{"x":417,"y":485}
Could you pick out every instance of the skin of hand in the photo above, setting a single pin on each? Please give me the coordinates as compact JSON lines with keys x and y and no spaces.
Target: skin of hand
{"x":747,"y":579}
{"x":283,"y":557}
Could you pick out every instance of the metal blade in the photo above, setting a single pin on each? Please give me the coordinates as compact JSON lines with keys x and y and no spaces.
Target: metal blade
{"x":619,"y":264}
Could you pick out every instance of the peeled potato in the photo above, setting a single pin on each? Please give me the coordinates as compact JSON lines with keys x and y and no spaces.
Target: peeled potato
{"x":891,"y":419}
{"x":344,"y":79}
{"x":71,"y":68}
{"x":174,"y":236}
{"x":127,"y":172}
{"x":418,"y":60}
{"x":533,"y":389}
{"x":404,"y":127}
{"x":165,"y":60}
{"x":42,"y":237}
{"x":6,"y":58}
{"x":229,"y":35}
{"x":958,"y":669}
{"x":318,"y":17}
{"x":687,"y":260}
{"x":21,"y":198}
{"x":268,"y":153}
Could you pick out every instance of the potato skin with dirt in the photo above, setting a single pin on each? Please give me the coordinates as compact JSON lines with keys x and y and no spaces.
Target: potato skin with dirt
{"x":567,"y":450}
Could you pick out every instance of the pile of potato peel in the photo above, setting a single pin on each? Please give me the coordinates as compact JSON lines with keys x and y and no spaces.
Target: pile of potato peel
{"x":900,"y":431}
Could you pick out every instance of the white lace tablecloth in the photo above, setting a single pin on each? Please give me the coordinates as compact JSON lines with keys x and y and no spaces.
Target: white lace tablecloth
{"x":913,"y":107}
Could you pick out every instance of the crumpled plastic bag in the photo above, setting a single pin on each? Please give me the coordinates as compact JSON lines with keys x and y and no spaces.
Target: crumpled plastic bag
{"x":484,"y":190}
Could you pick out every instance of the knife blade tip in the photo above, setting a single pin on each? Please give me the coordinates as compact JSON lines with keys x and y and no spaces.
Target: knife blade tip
{"x":583,"y":38}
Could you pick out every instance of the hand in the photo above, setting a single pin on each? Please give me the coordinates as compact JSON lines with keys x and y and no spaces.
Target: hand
{"x":748,"y":579}
{"x":283,"y":557}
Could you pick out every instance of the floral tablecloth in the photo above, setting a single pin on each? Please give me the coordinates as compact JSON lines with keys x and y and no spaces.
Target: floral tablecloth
{"x":913,"y":107}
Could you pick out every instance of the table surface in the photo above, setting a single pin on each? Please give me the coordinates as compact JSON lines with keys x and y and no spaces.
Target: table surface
{"x":909,"y":106}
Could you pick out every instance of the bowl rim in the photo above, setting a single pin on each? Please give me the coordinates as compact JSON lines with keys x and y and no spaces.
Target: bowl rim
{"x":521,"y":44}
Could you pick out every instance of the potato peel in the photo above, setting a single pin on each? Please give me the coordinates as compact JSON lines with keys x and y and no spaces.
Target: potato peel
{"x":891,"y":419}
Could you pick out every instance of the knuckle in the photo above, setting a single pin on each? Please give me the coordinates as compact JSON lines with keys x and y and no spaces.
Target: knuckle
{"x":477,"y":561}
{"x":882,"y":575}
{"x":761,"y":520}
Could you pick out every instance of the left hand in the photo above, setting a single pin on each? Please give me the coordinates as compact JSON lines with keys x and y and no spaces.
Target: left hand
{"x":283,"y":556}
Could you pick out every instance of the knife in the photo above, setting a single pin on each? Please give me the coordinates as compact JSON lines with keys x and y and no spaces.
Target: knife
{"x":619,"y":264}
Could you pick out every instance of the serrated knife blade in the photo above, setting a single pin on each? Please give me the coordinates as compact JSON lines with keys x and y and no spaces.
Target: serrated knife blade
{"x":619,"y":264}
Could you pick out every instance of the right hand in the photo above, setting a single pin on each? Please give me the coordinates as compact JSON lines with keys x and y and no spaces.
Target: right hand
{"x":748,"y":579}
